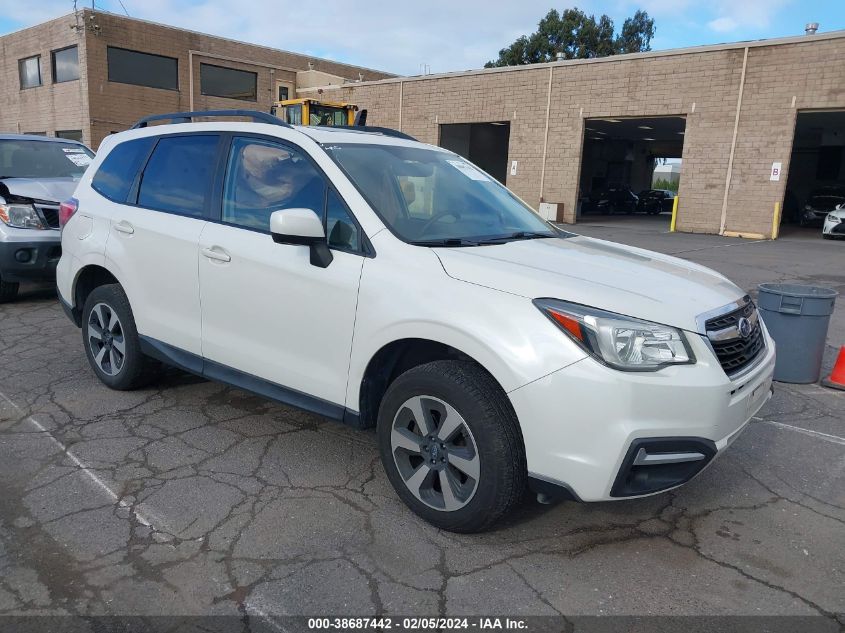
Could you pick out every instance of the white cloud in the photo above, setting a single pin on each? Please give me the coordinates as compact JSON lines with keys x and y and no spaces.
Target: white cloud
{"x":723,"y":24}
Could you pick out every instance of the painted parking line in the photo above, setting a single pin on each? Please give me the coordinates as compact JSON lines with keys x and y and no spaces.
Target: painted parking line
{"x":154,"y":523}
{"x":835,"y":439}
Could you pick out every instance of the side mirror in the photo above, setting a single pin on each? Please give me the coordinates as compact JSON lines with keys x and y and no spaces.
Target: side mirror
{"x":302,"y":227}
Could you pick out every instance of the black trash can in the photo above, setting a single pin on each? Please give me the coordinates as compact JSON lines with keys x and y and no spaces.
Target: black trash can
{"x":797,"y":317}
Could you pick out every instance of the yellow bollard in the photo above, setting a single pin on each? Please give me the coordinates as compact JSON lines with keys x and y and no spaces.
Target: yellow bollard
{"x":674,"y":215}
{"x":776,"y":221}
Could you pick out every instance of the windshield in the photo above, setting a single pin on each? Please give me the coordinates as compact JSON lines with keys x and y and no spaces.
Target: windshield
{"x":326,"y":115}
{"x":42,"y":159}
{"x":427,"y":196}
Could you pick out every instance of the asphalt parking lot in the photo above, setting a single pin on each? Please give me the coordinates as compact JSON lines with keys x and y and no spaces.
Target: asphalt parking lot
{"x":191,"y":498}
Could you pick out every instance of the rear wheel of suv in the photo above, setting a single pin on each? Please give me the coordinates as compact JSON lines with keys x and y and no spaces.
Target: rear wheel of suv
{"x":8,"y":290}
{"x":450,"y":443}
{"x":111,"y":340}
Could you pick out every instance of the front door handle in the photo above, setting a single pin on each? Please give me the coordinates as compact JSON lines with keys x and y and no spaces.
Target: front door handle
{"x":217,"y":254}
{"x":124,"y":227}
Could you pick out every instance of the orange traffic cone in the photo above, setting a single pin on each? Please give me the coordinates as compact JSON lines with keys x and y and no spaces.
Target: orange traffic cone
{"x":836,"y":380}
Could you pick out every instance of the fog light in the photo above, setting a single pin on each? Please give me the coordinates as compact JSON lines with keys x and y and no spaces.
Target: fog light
{"x":656,"y":464}
{"x":24,"y":255}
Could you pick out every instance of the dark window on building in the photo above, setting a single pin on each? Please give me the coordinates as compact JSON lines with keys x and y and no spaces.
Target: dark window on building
{"x":117,"y":172}
{"x":284,"y":93}
{"x":73,"y":135}
{"x":143,"y":69}
{"x":66,"y":64}
{"x":178,"y":176}
{"x":30,"y":72}
{"x":36,"y":133}
{"x":217,"y":81}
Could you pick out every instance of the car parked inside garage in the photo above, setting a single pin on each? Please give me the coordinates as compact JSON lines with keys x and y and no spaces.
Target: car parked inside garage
{"x":36,"y":174}
{"x":654,"y":201}
{"x":821,"y":202}
{"x":491,"y":350}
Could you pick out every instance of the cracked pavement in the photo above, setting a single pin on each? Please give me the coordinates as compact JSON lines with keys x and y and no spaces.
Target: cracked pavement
{"x":192,"y":498}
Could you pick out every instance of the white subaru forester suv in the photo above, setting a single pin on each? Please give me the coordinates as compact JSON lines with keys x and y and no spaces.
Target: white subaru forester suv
{"x":380,"y":281}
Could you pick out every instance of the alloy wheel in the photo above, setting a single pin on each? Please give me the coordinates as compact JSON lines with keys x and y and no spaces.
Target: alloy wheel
{"x":435,"y":453}
{"x":106,"y":339}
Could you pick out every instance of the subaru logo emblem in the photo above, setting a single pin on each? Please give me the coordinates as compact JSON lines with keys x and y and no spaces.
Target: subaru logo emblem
{"x":744,"y":327}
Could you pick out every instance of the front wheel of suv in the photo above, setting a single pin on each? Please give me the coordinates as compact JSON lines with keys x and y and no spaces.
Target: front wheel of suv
{"x":451,"y":445}
{"x":111,"y":340}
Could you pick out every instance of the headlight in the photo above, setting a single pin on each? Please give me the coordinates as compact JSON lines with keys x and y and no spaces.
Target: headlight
{"x":616,"y":340}
{"x":22,"y":216}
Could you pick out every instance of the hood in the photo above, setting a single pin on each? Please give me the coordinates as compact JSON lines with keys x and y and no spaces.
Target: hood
{"x":45,"y":189}
{"x":621,"y":279}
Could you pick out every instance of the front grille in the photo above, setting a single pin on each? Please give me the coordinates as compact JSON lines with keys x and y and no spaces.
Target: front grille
{"x":734,"y":351}
{"x":50,"y":214}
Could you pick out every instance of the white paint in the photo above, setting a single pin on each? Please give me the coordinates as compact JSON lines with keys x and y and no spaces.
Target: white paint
{"x":100,"y":483}
{"x":513,"y":168}
{"x":834,"y":439}
{"x":775,"y":173}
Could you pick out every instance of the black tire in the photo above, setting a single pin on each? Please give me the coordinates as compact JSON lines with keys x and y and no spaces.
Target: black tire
{"x":135,"y":369}
{"x":8,"y":290}
{"x":826,"y":236}
{"x":487,"y":412}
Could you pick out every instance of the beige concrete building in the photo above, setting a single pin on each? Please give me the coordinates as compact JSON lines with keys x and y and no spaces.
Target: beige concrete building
{"x":758,"y":126}
{"x":733,"y":113}
{"x":87,"y":74}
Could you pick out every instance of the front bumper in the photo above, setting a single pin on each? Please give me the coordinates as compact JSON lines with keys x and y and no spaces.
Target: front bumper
{"x":833,"y":226}
{"x":583,"y":425}
{"x":28,"y":254}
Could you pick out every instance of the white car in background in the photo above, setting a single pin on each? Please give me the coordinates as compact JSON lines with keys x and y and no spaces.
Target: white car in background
{"x":834,"y":223}
{"x":380,"y":281}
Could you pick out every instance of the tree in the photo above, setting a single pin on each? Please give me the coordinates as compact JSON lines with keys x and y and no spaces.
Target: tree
{"x":575,"y":35}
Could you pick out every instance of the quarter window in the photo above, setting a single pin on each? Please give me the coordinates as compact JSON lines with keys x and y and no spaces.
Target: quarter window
{"x":341,"y":230}
{"x":30,"y":72}
{"x":118,"y":170}
{"x":66,"y":64}
{"x":218,"y":81}
{"x":264,"y":177}
{"x":178,"y":176}
{"x":142,"y":69}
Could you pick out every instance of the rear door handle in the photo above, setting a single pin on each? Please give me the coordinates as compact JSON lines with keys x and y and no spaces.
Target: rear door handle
{"x":124,"y":227}
{"x":217,"y":254}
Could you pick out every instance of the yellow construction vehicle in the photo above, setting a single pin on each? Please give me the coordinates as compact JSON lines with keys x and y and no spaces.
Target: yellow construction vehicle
{"x":315,"y":112}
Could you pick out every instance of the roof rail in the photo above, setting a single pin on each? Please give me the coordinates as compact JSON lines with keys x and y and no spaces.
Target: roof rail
{"x":386,"y":131}
{"x":187,"y":117}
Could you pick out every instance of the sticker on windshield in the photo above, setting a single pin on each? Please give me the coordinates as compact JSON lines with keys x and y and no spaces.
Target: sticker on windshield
{"x":73,"y":150}
{"x":80,"y":160}
{"x":468,"y":170}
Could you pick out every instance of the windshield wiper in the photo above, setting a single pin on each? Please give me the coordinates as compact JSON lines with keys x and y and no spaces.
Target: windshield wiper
{"x":448,"y":241}
{"x":519,"y":235}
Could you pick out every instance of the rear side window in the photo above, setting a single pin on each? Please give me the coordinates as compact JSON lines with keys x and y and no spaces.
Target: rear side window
{"x":118,"y":170}
{"x":179,"y":174}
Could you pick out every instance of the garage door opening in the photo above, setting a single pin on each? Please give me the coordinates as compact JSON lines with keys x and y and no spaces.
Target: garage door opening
{"x":485,"y":144}
{"x":630,"y":169}
{"x":816,"y":181}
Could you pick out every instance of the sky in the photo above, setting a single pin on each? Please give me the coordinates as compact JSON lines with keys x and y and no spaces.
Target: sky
{"x":412,"y":37}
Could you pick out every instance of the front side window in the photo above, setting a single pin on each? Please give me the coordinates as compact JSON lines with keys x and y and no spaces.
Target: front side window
{"x":430,"y":196}
{"x":66,"y":64}
{"x":42,"y":159}
{"x":30,"y":72}
{"x":218,"y":81}
{"x":263,"y":177}
{"x":117,"y":172}
{"x":142,"y":69}
{"x":179,"y":174}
